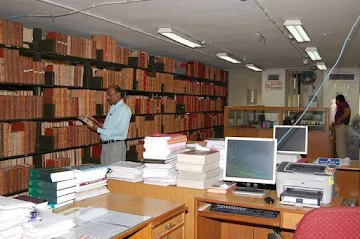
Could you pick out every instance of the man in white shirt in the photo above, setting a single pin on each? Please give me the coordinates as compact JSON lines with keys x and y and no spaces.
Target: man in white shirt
{"x":115,"y":128}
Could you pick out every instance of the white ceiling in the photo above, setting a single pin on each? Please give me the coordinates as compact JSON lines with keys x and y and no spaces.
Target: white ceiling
{"x":229,"y":24}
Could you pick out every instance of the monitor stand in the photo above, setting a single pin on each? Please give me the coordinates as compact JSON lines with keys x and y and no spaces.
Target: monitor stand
{"x":292,"y":158}
{"x":249,"y":190}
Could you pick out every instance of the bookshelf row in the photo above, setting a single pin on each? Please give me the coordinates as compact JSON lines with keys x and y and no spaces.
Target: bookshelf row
{"x":29,"y":137}
{"x":16,"y":170}
{"x":57,"y":103}
{"x":18,"y":70}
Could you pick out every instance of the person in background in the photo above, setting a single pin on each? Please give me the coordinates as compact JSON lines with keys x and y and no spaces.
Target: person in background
{"x":342,"y":119}
{"x":115,"y":128}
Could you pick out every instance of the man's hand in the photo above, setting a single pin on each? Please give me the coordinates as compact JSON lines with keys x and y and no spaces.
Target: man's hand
{"x":94,"y":127}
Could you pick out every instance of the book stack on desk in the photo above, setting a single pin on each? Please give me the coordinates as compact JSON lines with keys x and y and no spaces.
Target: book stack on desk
{"x":219,"y":145}
{"x":126,"y":171}
{"x":55,"y":185}
{"x":198,"y":169}
{"x":162,"y":147}
{"x":91,"y":180}
{"x":13,"y":215}
{"x":163,"y":173}
{"x":161,"y":151}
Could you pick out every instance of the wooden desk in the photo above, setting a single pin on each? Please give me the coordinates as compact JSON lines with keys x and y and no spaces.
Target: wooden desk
{"x":171,"y":193}
{"x":168,"y":217}
{"x":347,"y":183}
{"x":228,"y":226}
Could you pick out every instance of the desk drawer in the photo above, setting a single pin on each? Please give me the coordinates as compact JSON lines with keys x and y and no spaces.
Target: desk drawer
{"x":177,"y":234}
{"x":291,"y":220}
{"x":167,"y":226}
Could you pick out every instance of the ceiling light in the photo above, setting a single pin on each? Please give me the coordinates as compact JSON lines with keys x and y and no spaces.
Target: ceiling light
{"x":313,"y":53}
{"x":321,"y":66}
{"x":179,"y":37}
{"x":296,"y":30}
{"x":226,"y":57}
{"x":253,"y":67}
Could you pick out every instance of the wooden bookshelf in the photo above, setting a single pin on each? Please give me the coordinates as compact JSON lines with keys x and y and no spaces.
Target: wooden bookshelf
{"x":164,"y":95}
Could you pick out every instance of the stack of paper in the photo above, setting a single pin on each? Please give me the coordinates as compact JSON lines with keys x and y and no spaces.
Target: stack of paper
{"x":126,"y":171}
{"x":91,"y":180}
{"x":52,"y":225}
{"x":163,"y":174}
{"x":13,"y":215}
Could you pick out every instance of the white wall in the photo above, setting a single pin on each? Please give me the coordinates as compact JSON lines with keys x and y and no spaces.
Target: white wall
{"x":329,"y":90}
{"x":274,"y":97}
{"x":239,"y":82}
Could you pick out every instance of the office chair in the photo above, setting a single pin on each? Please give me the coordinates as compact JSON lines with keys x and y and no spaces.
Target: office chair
{"x":330,"y":223}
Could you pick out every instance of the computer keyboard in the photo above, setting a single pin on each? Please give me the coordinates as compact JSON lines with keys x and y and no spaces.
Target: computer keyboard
{"x":252,"y":212}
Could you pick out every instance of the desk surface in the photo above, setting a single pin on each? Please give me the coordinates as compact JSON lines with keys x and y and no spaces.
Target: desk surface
{"x":158,"y":209}
{"x":258,"y":202}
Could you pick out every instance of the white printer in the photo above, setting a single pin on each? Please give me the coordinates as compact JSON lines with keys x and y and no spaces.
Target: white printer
{"x":305,"y":184}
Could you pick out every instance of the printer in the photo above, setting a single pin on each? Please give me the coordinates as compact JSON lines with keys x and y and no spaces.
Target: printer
{"x":305,"y":184}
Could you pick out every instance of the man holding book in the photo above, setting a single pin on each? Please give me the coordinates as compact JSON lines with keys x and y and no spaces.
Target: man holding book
{"x":115,"y":128}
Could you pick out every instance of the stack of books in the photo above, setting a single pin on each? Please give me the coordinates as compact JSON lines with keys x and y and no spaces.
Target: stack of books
{"x":13,"y":215}
{"x":55,"y":185}
{"x":91,"y":180}
{"x":40,"y":204}
{"x":164,"y":146}
{"x":160,"y":156}
{"x":219,"y":145}
{"x":198,"y":169}
{"x":126,"y":171}
{"x":161,"y":173}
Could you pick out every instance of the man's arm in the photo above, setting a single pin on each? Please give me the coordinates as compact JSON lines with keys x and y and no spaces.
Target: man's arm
{"x":120,"y":127}
{"x":347,"y":112}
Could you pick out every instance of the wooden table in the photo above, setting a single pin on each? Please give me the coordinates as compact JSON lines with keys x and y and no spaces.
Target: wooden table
{"x":168,"y":217}
{"x":171,"y":193}
{"x":210,"y":224}
{"x":347,"y":182}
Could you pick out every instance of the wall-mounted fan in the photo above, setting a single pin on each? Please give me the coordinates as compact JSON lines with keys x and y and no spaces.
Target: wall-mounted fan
{"x":307,"y":78}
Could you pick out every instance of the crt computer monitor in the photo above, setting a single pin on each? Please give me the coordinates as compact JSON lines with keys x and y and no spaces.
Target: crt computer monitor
{"x":250,"y":160}
{"x":295,"y":142}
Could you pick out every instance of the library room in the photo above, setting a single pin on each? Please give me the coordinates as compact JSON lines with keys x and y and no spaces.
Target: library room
{"x":165,"y":119}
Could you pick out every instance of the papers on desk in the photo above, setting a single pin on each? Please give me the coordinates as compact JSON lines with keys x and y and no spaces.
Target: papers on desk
{"x":13,"y":215}
{"x":107,"y":225}
{"x":126,"y":171}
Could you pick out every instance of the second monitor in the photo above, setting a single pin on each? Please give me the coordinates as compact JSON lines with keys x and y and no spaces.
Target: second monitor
{"x":294,"y":143}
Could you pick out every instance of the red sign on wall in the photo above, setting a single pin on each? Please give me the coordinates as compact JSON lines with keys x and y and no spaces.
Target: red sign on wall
{"x":273,"y":85}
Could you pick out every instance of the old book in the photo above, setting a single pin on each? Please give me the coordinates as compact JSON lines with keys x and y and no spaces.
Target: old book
{"x":90,"y":121}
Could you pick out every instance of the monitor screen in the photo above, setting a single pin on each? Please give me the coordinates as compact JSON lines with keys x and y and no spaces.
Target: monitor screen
{"x":250,"y":160}
{"x":295,"y":142}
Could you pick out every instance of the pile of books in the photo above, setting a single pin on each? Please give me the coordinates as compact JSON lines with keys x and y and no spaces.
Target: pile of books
{"x":198,"y":169}
{"x":161,"y":151}
{"x":13,"y":215}
{"x":126,"y":171}
{"x":55,"y":185}
{"x":219,"y":145}
{"x":91,"y":180}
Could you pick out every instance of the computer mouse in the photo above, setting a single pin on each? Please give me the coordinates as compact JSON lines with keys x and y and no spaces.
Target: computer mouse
{"x":269,"y":200}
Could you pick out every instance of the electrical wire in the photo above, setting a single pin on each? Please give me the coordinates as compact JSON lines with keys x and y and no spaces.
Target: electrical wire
{"x":326,"y":78}
{"x":96,"y":5}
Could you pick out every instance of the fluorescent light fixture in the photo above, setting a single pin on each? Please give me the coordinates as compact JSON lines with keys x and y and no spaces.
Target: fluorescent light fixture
{"x":179,"y":37}
{"x":253,"y":67}
{"x":296,"y":30}
{"x":313,"y":53}
{"x":226,"y":57}
{"x":321,"y":66}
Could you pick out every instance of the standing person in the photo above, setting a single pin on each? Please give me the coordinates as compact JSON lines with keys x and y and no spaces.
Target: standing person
{"x":342,"y":119}
{"x":115,"y":128}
